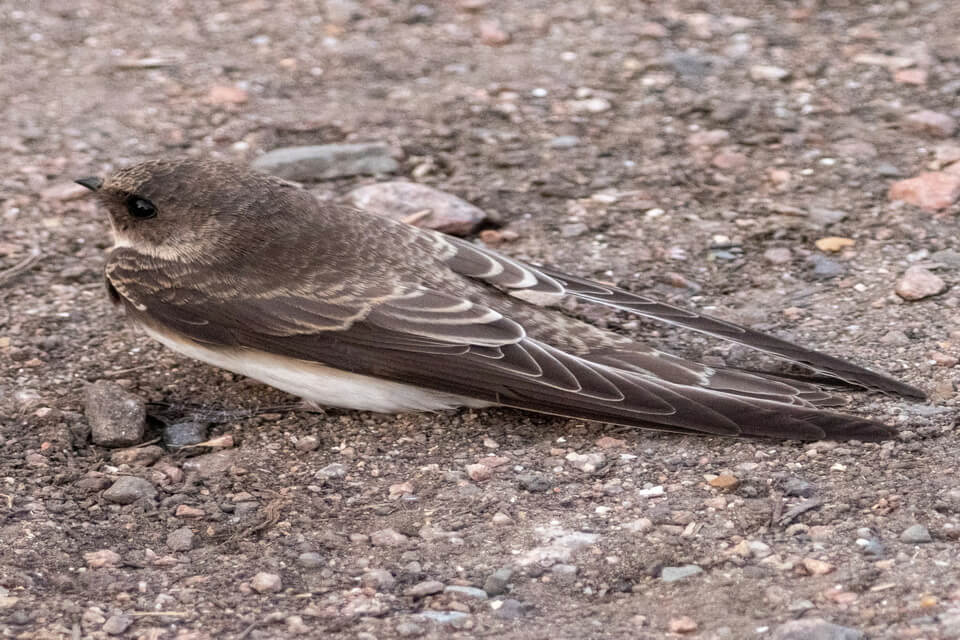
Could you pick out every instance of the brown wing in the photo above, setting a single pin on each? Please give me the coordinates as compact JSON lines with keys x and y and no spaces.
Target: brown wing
{"x":440,"y":341}
{"x":516,"y":277}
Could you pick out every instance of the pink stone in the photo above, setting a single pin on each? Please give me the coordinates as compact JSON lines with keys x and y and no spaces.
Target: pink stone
{"x":931,"y":191}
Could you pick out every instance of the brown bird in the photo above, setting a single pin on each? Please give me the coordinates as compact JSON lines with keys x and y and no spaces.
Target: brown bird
{"x":348,"y":309}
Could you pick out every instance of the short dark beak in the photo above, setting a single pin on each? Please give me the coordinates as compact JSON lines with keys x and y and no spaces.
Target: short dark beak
{"x":93,"y":183}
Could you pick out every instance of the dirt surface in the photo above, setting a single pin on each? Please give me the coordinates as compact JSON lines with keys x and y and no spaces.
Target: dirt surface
{"x":706,"y":135}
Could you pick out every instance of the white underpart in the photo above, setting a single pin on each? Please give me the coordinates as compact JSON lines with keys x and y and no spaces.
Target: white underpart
{"x":316,"y":383}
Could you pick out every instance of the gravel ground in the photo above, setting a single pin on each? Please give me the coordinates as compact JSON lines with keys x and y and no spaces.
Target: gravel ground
{"x":791,"y":165}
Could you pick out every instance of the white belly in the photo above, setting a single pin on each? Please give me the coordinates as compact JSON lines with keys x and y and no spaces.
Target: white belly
{"x":317,"y":383}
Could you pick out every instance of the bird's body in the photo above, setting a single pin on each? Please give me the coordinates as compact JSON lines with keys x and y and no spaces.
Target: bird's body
{"x":347,"y":309}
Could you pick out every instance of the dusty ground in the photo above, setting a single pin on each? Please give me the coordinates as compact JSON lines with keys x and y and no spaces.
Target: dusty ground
{"x":474,"y":115}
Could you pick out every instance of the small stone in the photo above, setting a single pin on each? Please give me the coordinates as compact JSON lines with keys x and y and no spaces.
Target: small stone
{"x":501,"y":519}
{"x":683,"y":624}
{"x":388,"y":538}
{"x":724,"y":482}
{"x":640,"y":525}
{"x":511,"y":609}
{"x":606,"y":442}
{"x":102,"y":558}
{"x":573,"y":230}
{"x":129,"y":489}
{"x":479,"y":472}
{"x":798,"y":487}
{"x":911,"y":76}
{"x":366,"y":607}
{"x":814,"y":629}
{"x":825,"y":268}
{"x":931,"y":191}
{"x":708,"y":138}
{"x":138,"y":457}
{"x":564,"y":142}
{"x":183,"y":434}
{"x":768,"y":73}
{"x":916,"y":534}
{"x":423,"y":589}
{"x":117,"y":625}
{"x":817,"y":567}
{"x":823,"y":217}
{"x":324,"y":162}
{"x":211,"y":465}
{"x":590,"y":105}
{"x":673,"y":574}
{"x":947,"y":153}
{"x":409,"y":629}
{"x":419,"y":205}
{"x":265,"y":582}
{"x":117,"y":417}
{"x":918,"y":283}
{"x":310,"y":560}
{"x":223,"y":95}
{"x":180,"y":539}
{"x":496,"y":583}
{"x":308,"y":443}
{"x":778,"y":255}
{"x":932,"y":123}
{"x":535,"y":482}
{"x":331,"y":471}
{"x":834,"y":243}
{"x":458,"y":592}
{"x":452,"y":618}
{"x":728,"y":160}
{"x":379,"y":579}
{"x":492,"y":33}
{"x":586,"y":462}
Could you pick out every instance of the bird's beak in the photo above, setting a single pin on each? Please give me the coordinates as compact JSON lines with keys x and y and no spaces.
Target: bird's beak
{"x":93,"y":183}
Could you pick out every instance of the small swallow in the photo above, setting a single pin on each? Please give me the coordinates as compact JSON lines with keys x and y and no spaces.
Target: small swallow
{"x":348,"y":309}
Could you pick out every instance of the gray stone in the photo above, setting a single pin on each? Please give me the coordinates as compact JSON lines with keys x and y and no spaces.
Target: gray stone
{"x":822,"y":217}
{"x":535,"y":482}
{"x":564,"y":573}
{"x":180,"y":539}
{"x":564,"y":142}
{"x":425,"y":588}
{"x":323,"y":162}
{"x":211,"y":465}
{"x":333,"y":470}
{"x":825,"y":268}
{"x":916,"y":534}
{"x":137,"y":457}
{"x":798,"y":487}
{"x":673,"y":574}
{"x":265,"y":582}
{"x":310,"y":560}
{"x":129,"y":489}
{"x":117,"y":417}
{"x":117,"y":625}
{"x":573,"y":230}
{"x":409,"y":629}
{"x":419,"y":204}
{"x":814,"y":629}
{"x":444,"y":617}
{"x":379,"y":579}
{"x":496,"y":583}
{"x":465,"y":593}
{"x":948,"y":258}
{"x":511,"y":609}
{"x":184,"y":434}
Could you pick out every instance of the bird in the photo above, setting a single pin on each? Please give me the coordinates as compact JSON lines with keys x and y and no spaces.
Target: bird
{"x":348,"y":309}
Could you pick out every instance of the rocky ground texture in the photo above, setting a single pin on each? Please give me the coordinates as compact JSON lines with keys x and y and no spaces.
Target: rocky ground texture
{"x":791,"y":165}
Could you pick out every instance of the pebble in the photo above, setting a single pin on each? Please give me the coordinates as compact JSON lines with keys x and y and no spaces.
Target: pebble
{"x":918,"y":283}
{"x":573,"y":230}
{"x":479,"y":472}
{"x":265,"y":582}
{"x":833,"y":244}
{"x":419,"y":204}
{"x":186,"y":511}
{"x":798,"y":487}
{"x":423,"y":589}
{"x":388,"y":538}
{"x":947,"y":257}
{"x":724,"y":482}
{"x":183,"y":434}
{"x":493,"y":34}
{"x":586,"y":462}
{"x":211,"y":465}
{"x":564,"y":142}
{"x":180,"y":539}
{"x":511,"y":609}
{"x":465,"y":593}
{"x":535,"y":482}
{"x":684,"y":624}
{"x":562,"y":545}
{"x":379,"y":579}
{"x":102,"y":558}
{"x":138,"y":457}
{"x":825,"y":268}
{"x":116,"y":625}
{"x":445,"y":617}
{"x":117,"y":417}
{"x":814,"y":629}
{"x":817,"y":567}
{"x":639,"y":525}
{"x":769,"y":73}
{"x":916,"y":534}
{"x":409,"y":629}
{"x":590,"y":105}
{"x":931,"y":191}
{"x":129,"y":489}
{"x":310,"y":560}
{"x":911,"y":76}
{"x":363,"y":606}
{"x":324,"y":162}
{"x":727,"y":160}
{"x":331,"y":471}
{"x":708,"y":138}
{"x":947,"y":153}
{"x":225,"y":94}
{"x":308,"y":443}
{"x":673,"y":574}
{"x":778,"y":255}
{"x":496,"y":583}
{"x":932,"y":123}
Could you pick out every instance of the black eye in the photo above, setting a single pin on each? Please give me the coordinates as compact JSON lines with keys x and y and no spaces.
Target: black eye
{"x":140,"y":207}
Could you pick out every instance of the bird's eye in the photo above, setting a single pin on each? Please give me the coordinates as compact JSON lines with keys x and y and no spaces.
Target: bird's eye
{"x":140,"y":207}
